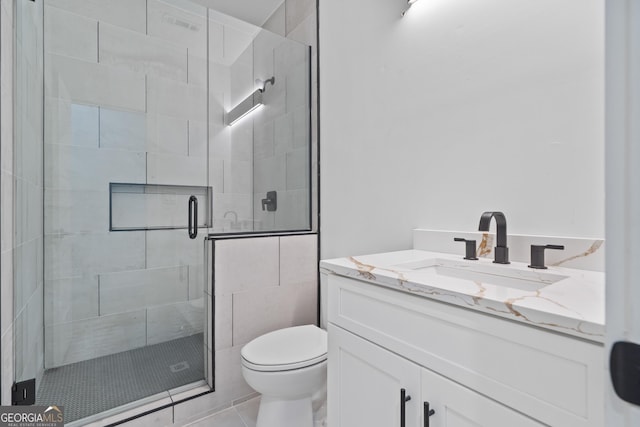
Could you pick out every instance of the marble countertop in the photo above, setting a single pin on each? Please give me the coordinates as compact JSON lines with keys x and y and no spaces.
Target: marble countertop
{"x":561,"y":299}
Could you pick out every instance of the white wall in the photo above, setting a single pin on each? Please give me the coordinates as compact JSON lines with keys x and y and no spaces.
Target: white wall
{"x":457,"y":108}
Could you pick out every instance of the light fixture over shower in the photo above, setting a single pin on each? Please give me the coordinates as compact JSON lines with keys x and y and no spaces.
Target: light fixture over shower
{"x":409,"y":4}
{"x":250,"y":103}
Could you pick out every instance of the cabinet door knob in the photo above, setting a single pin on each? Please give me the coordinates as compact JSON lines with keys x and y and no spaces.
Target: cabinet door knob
{"x":427,"y":414}
{"x":403,"y":400}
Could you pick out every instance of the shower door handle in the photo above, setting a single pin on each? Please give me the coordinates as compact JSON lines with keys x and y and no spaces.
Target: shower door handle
{"x":193,"y":217}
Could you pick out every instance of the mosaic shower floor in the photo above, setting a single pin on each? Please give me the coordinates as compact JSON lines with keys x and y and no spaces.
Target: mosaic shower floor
{"x":93,"y":386}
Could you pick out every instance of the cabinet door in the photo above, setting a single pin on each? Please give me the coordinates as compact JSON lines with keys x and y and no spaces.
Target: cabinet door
{"x":365,"y":383}
{"x":458,"y":406}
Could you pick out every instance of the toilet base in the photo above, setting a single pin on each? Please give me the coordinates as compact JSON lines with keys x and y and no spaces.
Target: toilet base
{"x":276,"y":412}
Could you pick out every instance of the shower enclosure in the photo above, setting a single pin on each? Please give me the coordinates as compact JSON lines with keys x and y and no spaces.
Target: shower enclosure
{"x":126,"y":162}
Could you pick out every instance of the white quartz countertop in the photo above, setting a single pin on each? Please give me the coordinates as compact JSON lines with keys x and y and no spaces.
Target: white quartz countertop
{"x":561,"y":299}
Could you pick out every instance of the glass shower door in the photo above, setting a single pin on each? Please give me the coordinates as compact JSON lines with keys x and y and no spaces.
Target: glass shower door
{"x":125,"y":149}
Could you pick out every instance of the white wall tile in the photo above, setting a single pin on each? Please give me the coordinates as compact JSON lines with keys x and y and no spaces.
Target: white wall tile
{"x":297,"y":11}
{"x":216,"y":42}
{"x":196,"y":281}
{"x":305,"y":32}
{"x":71,"y":211}
{"x":197,"y":138}
{"x":228,"y":204}
{"x":96,"y":84}
{"x":237,"y":51}
{"x":80,"y":168}
{"x":130,"y":50}
{"x":283,"y":133}
{"x":197,"y":67}
{"x":277,"y":21}
{"x":238,"y":176}
{"x":90,"y":338}
{"x":70,"y":299}
{"x":241,"y":77}
{"x":263,"y":140}
{"x":242,"y":138}
{"x":6,"y":204}
{"x":173,"y":247}
{"x":6,"y":128}
{"x":25,"y":273}
{"x":178,"y":26}
{"x":301,"y":131}
{"x":264,"y":219}
{"x":6,"y":71}
{"x":176,"y":170}
{"x":274,"y":100}
{"x":67,"y":123}
{"x":83,"y":125}
{"x":220,"y":82}
{"x":269,"y":174}
{"x":123,"y":130}
{"x":298,"y":259}
{"x":263,"y":60}
{"x":73,"y":255}
{"x":124,"y":13}
{"x":243,"y":264}
{"x":217,"y":109}
{"x":258,"y":311}
{"x":129,"y":290}
{"x":293,"y":210}
{"x":172,"y":321}
{"x":6,"y":290}
{"x":7,"y":366}
{"x":216,"y":175}
{"x":70,"y":34}
{"x":166,"y":134}
{"x":298,"y":173}
{"x":220,"y":141}
{"x":176,"y":99}
{"x":223,"y":322}
{"x":29,"y":338}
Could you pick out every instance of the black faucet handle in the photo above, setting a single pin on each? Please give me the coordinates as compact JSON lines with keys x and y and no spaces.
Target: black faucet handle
{"x":537,"y":255}
{"x":470,"y":248}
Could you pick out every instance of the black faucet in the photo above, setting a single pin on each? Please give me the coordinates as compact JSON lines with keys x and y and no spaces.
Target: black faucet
{"x":501,"y":251}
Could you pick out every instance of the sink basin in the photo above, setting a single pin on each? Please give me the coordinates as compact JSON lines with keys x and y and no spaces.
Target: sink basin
{"x":491,"y":274}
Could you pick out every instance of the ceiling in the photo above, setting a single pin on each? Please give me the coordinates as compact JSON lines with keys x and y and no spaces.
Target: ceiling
{"x":255,"y":12}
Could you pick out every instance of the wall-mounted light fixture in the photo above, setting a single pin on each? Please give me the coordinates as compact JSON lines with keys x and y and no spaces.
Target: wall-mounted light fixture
{"x":251,"y":103}
{"x":409,"y":4}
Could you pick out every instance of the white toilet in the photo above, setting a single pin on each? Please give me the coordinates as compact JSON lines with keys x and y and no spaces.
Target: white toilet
{"x":289,"y":368}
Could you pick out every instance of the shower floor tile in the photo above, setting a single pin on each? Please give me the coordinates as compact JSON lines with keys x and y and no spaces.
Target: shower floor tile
{"x":96,"y":385}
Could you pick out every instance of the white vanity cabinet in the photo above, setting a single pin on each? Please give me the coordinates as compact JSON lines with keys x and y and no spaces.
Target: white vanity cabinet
{"x":367,"y":383}
{"x":473,"y":369}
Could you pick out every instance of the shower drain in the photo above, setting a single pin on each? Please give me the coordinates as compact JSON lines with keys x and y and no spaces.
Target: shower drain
{"x":179,"y":367}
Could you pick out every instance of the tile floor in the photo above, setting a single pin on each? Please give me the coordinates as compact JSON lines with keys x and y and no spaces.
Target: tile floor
{"x":245,"y":415}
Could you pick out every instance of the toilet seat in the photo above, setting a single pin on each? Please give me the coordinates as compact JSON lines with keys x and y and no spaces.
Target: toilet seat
{"x":286,"y":349}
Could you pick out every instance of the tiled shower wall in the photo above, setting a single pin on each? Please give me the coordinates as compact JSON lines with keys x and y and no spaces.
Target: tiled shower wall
{"x":297,"y":20}
{"x":128,"y":104}
{"x":268,"y":150}
{"x":126,"y":84}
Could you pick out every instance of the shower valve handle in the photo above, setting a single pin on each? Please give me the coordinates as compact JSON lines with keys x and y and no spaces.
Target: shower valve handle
{"x":271,"y":202}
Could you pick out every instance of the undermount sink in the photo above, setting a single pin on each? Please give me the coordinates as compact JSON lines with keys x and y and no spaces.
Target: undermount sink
{"x":490,"y":274}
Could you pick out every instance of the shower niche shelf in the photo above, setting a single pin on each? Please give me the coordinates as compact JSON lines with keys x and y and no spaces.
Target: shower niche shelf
{"x":136,"y":207}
